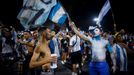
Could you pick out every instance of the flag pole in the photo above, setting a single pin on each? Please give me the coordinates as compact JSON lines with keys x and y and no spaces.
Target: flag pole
{"x":113,"y":17}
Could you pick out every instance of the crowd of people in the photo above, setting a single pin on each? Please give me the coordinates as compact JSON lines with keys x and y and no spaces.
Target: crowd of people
{"x":29,"y":52}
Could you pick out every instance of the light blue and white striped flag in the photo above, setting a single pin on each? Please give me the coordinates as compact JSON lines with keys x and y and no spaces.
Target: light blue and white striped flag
{"x":106,"y":7}
{"x":35,"y":12}
{"x":58,"y":14}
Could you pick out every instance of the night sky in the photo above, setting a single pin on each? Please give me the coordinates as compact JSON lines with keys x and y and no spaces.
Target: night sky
{"x":82,"y":12}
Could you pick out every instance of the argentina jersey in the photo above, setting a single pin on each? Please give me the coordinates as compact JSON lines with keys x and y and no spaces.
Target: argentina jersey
{"x":121,"y":57}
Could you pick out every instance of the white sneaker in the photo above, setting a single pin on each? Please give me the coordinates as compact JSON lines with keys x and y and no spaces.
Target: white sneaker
{"x":82,"y":64}
{"x":73,"y":73}
{"x":80,"y":71}
{"x":77,"y":65}
{"x":65,"y":61}
{"x":62,"y":62}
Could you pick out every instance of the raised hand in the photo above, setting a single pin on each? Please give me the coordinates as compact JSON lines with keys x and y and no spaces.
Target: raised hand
{"x":71,"y":23}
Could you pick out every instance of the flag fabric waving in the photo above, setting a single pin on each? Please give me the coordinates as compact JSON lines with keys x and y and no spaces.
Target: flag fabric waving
{"x":35,"y":12}
{"x":106,"y":7}
{"x":58,"y":14}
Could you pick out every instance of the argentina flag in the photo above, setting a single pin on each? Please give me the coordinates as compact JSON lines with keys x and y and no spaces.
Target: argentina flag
{"x":58,"y":14}
{"x":106,"y":7}
{"x":121,"y":57}
{"x":34,"y":13}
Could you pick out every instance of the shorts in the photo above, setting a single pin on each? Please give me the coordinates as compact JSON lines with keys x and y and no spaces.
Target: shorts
{"x":76,"y":57}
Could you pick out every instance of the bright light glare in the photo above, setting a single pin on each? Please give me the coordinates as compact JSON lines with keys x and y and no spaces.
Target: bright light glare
{"x":95,"y":19}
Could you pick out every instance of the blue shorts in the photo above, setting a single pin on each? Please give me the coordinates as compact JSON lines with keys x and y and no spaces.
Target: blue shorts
{"x":98,"y":68}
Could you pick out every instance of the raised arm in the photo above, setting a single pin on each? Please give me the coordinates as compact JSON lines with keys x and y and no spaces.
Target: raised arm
{"x":58,"y":34}
{"x":74,"y":28}
{"x":31,"y":44}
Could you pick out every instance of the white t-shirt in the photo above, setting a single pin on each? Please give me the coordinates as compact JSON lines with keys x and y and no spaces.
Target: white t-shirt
{"x":75,"y":40}
{"x":56,"y":45}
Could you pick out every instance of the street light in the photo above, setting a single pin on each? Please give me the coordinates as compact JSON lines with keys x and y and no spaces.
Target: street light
{"x":95,"y":19}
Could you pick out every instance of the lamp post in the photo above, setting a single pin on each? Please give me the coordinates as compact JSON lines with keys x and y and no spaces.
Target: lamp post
{"x":114,"y":27}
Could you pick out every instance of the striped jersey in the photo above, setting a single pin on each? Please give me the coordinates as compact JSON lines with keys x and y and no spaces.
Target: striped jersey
{"x":121,"y":57}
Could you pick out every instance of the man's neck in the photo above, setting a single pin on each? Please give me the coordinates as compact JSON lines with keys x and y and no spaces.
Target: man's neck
{"x":98,"y":37}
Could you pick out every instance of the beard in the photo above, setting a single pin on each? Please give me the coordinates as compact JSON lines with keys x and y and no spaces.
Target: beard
{"x":48,"y":37}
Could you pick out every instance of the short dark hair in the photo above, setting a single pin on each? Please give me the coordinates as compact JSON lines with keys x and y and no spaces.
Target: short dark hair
{"x":28,"y":31}
{"x":41,"y":29}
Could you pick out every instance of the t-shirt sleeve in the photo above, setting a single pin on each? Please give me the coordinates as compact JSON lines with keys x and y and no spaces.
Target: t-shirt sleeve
{"x":89,"y":38}
{"x":70,"y":42}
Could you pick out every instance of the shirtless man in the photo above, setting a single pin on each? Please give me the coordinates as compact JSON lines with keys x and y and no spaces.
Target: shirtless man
{"x":42,"y":55}
{"x":98,"y":64}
